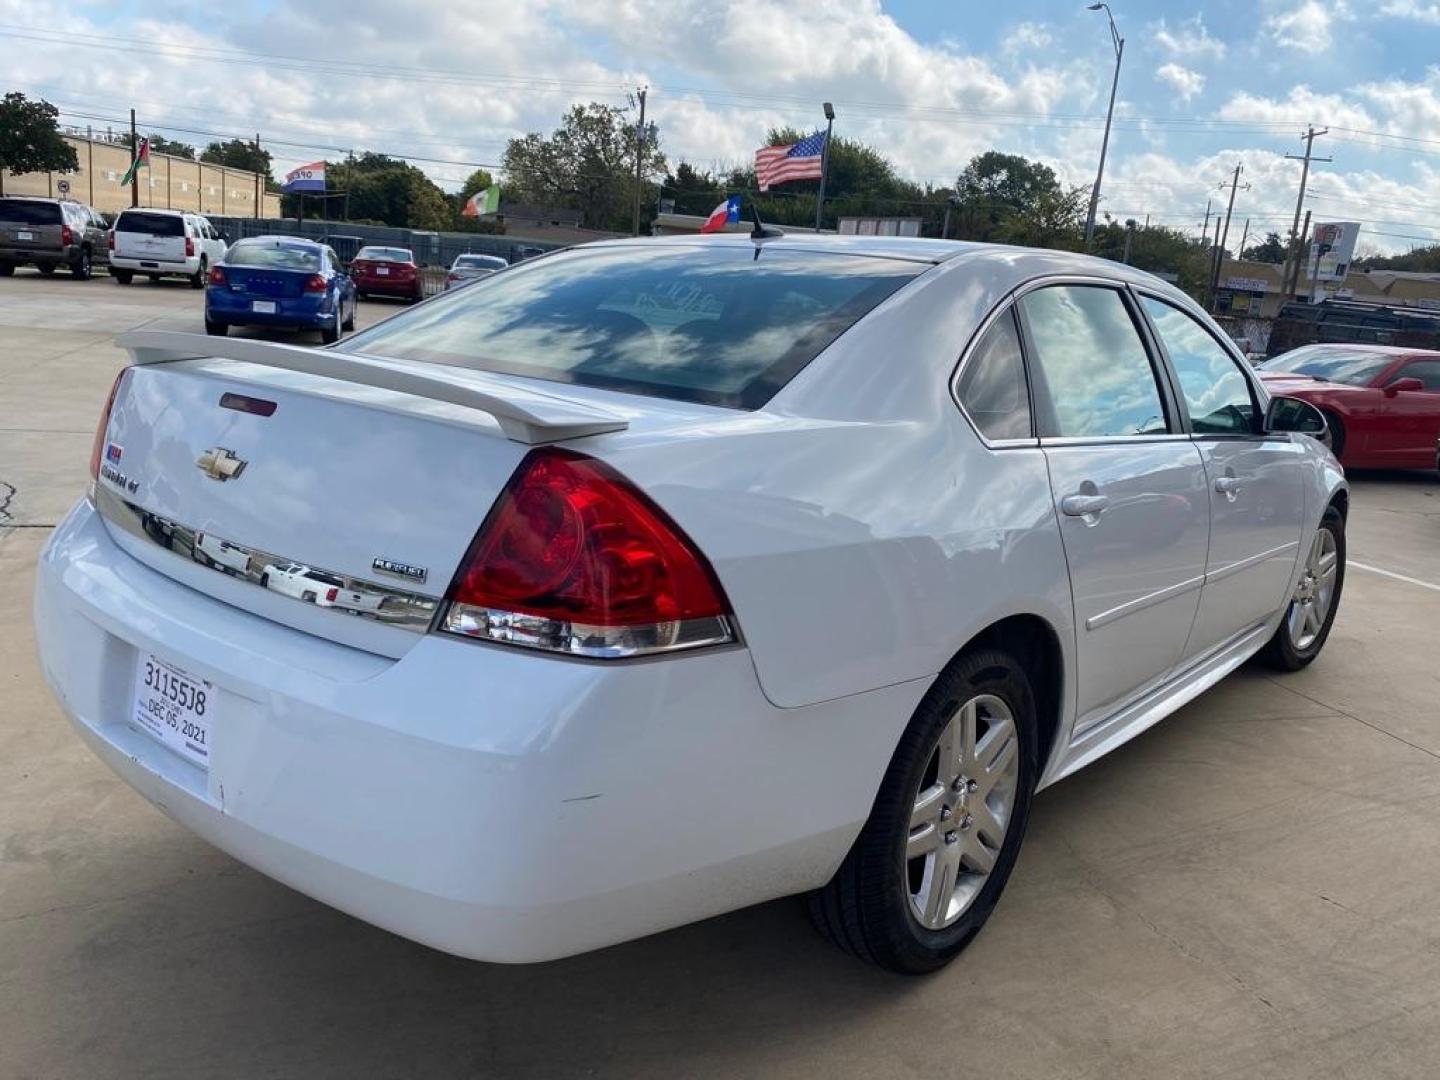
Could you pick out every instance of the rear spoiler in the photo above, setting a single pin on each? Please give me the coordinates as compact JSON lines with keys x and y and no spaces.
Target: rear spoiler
{"x":524,"y":415}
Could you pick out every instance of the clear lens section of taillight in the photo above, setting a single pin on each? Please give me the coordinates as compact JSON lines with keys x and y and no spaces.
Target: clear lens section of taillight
{"x":574,"y":559}
{"x":97,"y":449}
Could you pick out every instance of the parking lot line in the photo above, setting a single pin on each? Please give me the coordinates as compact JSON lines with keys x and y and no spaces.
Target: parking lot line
{"x":1392,"y":574}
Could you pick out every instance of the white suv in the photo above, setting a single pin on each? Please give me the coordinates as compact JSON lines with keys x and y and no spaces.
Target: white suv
{"x":164,"y":243}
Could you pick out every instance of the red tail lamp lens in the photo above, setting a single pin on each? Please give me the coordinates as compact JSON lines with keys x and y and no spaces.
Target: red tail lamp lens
{"x":99,"y":445}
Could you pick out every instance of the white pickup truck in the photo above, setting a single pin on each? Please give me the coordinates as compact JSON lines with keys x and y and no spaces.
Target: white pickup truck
{"x":164,"y":243}
{"x":302,"y":582}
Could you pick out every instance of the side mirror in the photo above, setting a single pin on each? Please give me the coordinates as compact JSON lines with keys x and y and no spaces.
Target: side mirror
{"x":1400,"y":385}
{"x":1285,"y":414}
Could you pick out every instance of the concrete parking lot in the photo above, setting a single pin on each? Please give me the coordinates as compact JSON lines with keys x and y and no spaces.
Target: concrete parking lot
{"x":1250,"y":889}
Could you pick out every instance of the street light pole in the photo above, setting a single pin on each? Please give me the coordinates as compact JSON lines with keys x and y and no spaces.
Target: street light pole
{"x":824,"y":162}
{"x":1119,"y":43}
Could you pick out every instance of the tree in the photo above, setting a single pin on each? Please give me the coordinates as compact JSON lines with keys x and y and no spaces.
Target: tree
{"x":586,"y":164}
{"x":383,"y":190}
{"x":159,"y":144}
{"x":694,"y":192}
{"x":1157,"y":249}
{"x":1009,"y":199}
{"x":1272,"y":250}
{"x":478,"y":180}
{"x":1424,"y":260}
{"x":30,"y":140}
{"x":239,"y":154}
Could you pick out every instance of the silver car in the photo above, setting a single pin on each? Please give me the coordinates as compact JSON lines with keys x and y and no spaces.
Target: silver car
{"x":468,"y":268}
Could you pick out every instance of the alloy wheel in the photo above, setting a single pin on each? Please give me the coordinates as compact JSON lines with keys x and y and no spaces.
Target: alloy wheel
{"x":1314,"y":593}
{"x":962,"y":809}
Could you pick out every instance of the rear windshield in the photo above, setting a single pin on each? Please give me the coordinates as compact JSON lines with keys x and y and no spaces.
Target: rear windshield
{"x":385,"y":254}
{"x":710,"y":325}
{"x":154,"y":224}
{"x":276,"y":256}
{"x":480,"y":262}
{"x":25,"y":212}
{"x":1355,"y":367}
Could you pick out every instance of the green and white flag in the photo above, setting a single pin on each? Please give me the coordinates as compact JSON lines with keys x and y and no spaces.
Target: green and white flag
{"x":483,"y":202}
{"x":142,"y":160}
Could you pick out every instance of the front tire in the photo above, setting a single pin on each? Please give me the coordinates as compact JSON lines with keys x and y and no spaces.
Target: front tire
{"x":1337,"y":433}
{"x":929,"y":865}
{"x":1311,"y":612}
{"x":46,"y":269}
{"x":349,"y":323}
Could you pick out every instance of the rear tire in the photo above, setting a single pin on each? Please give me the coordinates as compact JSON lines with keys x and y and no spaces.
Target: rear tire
{"x":877,"y":904}
{"x":197,"y":279}
{"x":123,"y":277}
{"x":154,"y":279}
{"x":82,"y":268}
{"x":46,"y":269}
{"x":1311,"y":611}
{"x":7,"y":269}
{"x":331,"y":334}
{"x":216,"y":329}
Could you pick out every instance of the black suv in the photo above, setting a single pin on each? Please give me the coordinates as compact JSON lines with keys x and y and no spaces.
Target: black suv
{"x":49,"y":233}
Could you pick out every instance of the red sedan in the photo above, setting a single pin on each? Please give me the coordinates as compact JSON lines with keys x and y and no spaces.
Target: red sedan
{"x":386,"y":271}
{"x":1382,"y":402}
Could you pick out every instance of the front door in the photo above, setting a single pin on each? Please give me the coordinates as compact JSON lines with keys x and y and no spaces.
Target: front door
{"x":1256,"y":482}
{"x":1409,"y":420}
{"x":1129,"y":490}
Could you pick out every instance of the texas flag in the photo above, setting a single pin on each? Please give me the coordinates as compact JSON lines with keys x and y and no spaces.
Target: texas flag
{"x":722,"y":215}
{"x":306,"y":178}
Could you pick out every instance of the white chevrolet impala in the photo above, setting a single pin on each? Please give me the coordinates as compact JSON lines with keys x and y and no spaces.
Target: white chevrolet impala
{"x":698,"y":572}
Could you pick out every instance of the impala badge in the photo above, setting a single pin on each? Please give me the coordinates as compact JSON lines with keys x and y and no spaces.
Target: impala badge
{"x":399,"y":569}
{"x":219,"y":463}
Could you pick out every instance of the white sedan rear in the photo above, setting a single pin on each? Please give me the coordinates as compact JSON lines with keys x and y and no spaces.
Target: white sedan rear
{"x":695,"y":572}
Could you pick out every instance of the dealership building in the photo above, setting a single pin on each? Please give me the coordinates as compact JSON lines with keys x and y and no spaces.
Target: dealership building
{"x":170,"y":182}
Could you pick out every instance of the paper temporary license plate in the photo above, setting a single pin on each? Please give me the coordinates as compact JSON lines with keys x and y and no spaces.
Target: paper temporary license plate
{"x":265,"y":307}
{"x":383,"y":271}
{"x":175,"y":707}
{"x":24,"y":236}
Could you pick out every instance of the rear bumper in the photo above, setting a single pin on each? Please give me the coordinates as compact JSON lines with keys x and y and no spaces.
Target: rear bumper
{"x":487,"y":801}
{"x":20,"y":256}
{"x":185,"y":267}
{"x":222,"y":305}
{"x":388,"y":287}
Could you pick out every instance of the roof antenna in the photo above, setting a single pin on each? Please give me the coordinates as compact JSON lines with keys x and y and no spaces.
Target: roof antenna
{"x":761,"y":231}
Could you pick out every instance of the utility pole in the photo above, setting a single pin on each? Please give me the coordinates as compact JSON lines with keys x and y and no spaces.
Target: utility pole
{"x":1304,"y":238}
{"x":1129,"y":236}
{"x":1205,"y":227}
{"x":1243,"y":237}
{"x":1118,"y":43}
{"x":134,"y":173}
{"x":349,"y":179}
{"x":639,"y":161}
{"x":1225,"y":233}
{"x":1310,"y":135}
{"x":259,"y":194}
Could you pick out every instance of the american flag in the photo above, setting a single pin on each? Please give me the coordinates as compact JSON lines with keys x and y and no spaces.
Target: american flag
{"x":798,"y":161}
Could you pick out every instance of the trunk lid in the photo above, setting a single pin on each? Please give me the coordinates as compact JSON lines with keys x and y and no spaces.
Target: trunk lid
{"x":267,"y":282}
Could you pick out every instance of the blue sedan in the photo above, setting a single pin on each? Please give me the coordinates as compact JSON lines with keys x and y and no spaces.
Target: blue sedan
{"x":280,"y":281}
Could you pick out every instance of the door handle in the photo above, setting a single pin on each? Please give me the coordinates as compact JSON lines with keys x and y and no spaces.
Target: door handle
{"x":1083,"y":505}
{"x":1229,"y":486}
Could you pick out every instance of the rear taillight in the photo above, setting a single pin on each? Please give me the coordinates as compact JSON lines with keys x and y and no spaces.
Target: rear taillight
{"x":216,"y":276}
{"x":330,"y":595}
{"x":189,"y":246}
{"x":110,"y":241}
{"x":67,"y":235}
{"x":98,"y":449}
{"x":573,"y":558}
{"x":314,"y":283}
{"x":452,"y":277}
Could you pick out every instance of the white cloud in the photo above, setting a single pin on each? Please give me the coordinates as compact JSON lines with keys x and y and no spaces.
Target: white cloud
{"x":1412,"y":9}
{"x":1026,"y":37}
{"x":1189,"y":40}
{"x":1182,"y":80}
{"x":1308,"y":27}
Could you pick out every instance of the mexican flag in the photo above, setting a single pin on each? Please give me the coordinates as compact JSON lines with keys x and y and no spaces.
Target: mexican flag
{"x":142,"y":159}
{"x":483,"y":202}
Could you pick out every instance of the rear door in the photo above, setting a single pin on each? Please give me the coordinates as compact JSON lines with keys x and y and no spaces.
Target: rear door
{"x":1129,"y":491}
{"x":150,"y":237}
{"x":1256,"y":482}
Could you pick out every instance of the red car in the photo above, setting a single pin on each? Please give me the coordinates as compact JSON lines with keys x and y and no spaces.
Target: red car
{"x":386,"y":271}
{"x":1382,"y":402}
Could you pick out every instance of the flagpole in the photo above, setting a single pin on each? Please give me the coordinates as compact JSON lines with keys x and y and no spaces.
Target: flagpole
{"x":135,"y":163}
{"x":824,"y":162}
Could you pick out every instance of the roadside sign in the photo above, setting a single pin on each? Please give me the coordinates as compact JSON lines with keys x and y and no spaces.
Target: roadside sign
{"x":63,"y":187}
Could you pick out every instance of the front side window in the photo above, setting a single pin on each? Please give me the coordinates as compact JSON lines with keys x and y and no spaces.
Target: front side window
{"x":1092,"y":375}
{"x":992,"y":386}
{"x":714,"y":325}
{"x":1427,"y":371}
{"x":1216,"y":394}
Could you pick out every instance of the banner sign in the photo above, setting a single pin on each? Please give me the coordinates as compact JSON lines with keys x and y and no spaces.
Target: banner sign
{"x":306,"y":178}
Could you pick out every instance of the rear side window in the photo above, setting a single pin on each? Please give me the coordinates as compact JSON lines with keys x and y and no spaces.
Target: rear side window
{"x":134,"y":221}
{"x":480,"y":262}
{"x":714,"y":325}
{"x":1091,"y":370}
{"x":385,"y":254}
{"x":1216,"y":395}
{"x":274,"y":256}
{"x":992,"y":386}
{"x":25,"y":212}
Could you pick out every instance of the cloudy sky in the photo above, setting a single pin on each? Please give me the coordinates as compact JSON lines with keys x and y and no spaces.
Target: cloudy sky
{"x":925,"y":82}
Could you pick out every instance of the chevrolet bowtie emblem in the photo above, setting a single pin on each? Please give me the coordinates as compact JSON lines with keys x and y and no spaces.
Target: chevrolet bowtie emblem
{"x":219,"y":463}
